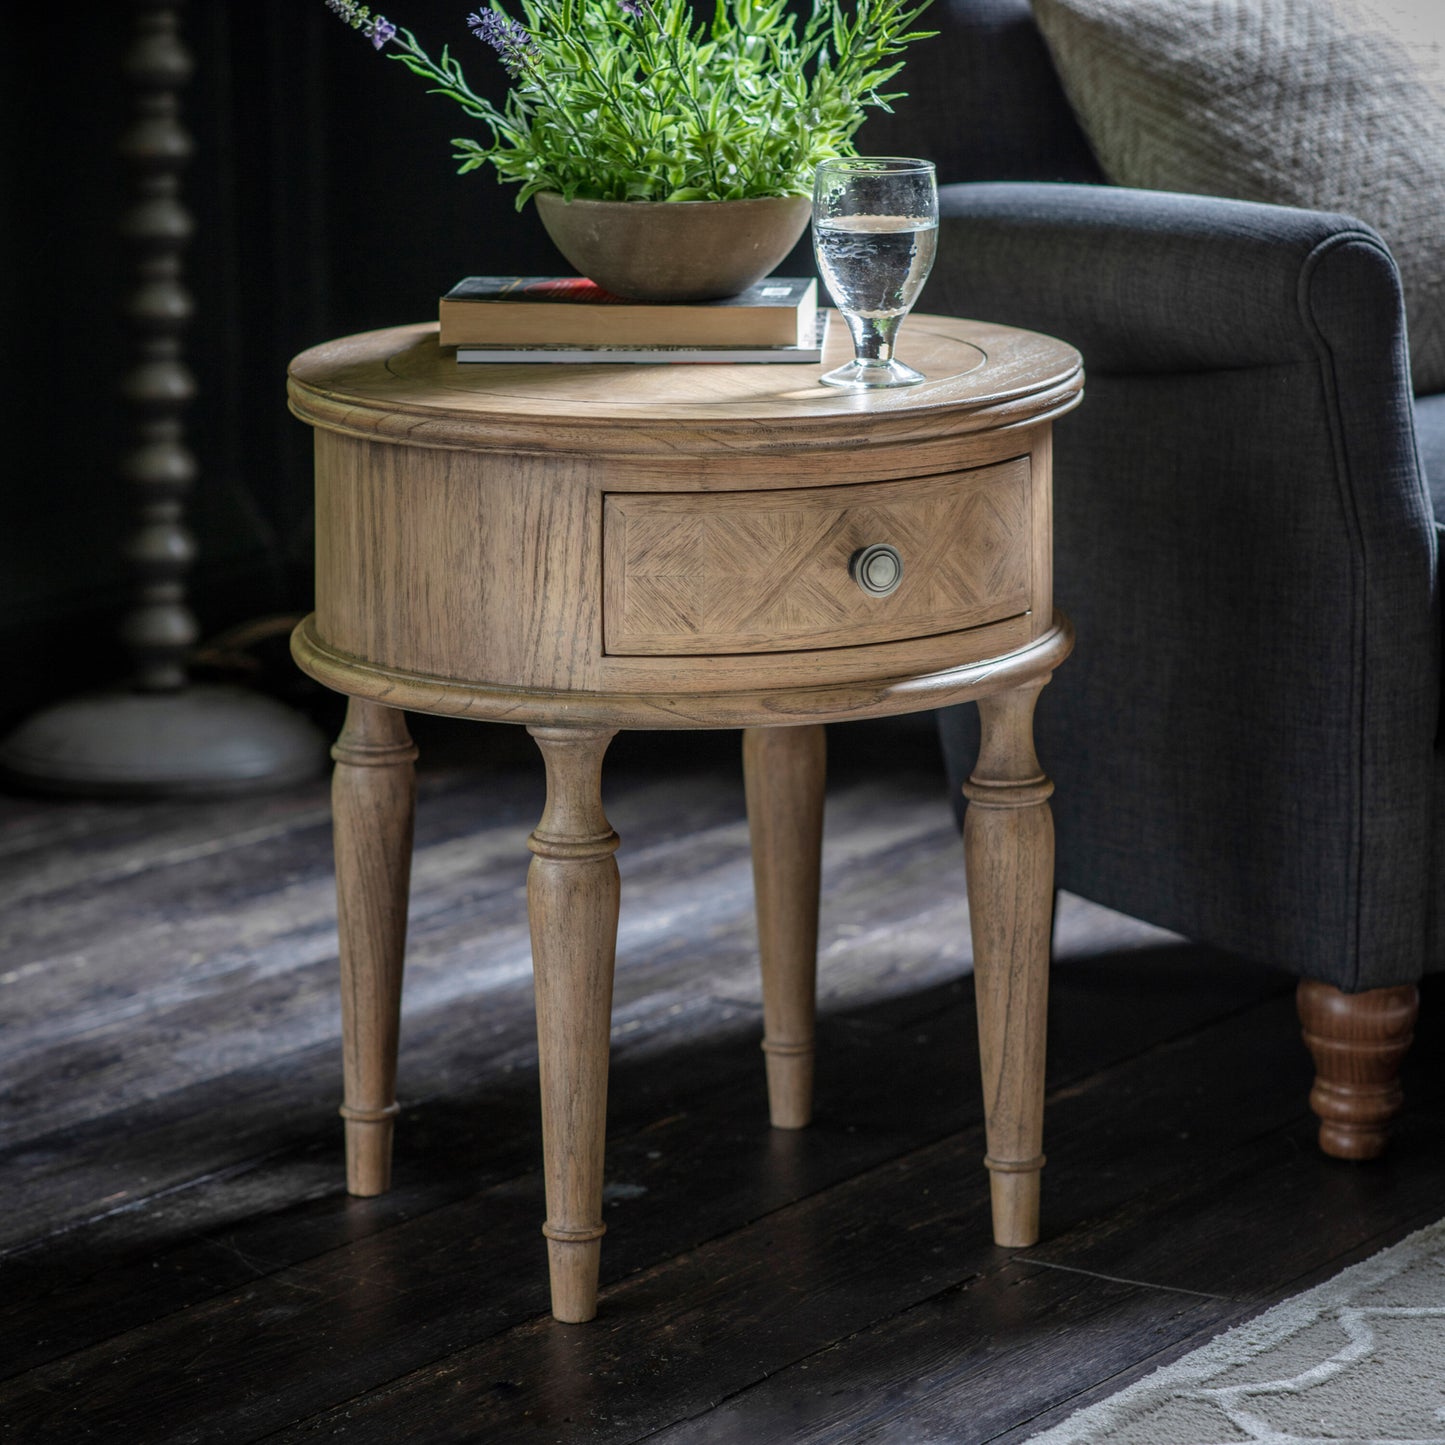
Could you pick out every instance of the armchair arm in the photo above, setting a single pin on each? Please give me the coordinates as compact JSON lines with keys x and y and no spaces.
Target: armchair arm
{"x":1150,"y":281}
{"x":1243,"y":741}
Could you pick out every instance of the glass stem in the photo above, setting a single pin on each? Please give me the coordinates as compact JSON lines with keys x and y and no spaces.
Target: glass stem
{"x":873,"y":337}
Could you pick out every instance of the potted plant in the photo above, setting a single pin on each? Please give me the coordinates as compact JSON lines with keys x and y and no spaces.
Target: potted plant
{"x":670,"y":159}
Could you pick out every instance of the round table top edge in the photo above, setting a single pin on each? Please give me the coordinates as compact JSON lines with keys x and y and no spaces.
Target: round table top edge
{"x":343,"y":386}
{"x":755,"y":707}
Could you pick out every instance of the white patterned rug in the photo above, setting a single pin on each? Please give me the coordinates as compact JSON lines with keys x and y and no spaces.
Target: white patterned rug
{"x":1358,"y":1360}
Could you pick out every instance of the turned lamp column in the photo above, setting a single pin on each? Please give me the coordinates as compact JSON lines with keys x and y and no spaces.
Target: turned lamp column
{"x":160,"y":737}
{"x":160,"y":628}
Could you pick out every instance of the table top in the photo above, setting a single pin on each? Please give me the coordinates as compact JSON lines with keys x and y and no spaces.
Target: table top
{"x":399,"y":385}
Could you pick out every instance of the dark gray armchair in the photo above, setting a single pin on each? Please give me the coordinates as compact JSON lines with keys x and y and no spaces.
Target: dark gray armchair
{"x":1244,"y":742}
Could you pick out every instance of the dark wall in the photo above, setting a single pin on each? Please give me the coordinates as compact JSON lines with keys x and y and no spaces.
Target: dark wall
{"x":325,"y":201}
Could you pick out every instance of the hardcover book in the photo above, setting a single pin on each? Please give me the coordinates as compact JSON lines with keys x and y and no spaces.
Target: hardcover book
{"x":572,"y":311}
{"x":652,"y":355}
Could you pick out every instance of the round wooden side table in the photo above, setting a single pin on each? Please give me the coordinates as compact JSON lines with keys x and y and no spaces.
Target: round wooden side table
{"x":580,"y":549}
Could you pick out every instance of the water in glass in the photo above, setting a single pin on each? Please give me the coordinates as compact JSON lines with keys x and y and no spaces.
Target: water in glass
{"x":876,"y":265}
{"x":875,"y":230}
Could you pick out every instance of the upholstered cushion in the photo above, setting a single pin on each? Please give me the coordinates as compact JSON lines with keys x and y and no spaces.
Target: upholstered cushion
{"x":1430,"y":433}
{"x":1327,"y":104}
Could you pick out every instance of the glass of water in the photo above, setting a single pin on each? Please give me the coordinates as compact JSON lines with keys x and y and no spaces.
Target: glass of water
{"x":875,"y":229}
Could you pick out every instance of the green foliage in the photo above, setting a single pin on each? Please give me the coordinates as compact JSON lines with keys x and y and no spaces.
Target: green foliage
{"x":637,"y":102}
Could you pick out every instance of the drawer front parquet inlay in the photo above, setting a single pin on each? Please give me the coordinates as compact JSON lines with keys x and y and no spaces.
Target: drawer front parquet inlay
{"x":739,"y":572}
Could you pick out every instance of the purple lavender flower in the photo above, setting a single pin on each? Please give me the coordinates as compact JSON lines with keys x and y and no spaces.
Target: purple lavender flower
{"x":509,"y":39}
{"x":630,"y":7}
{"x":359,"y":17}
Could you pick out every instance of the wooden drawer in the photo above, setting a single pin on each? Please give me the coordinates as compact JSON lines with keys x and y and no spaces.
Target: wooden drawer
{"x":741,"y":572}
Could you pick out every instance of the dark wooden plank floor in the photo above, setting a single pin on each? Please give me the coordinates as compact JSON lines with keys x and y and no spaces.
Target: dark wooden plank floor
{"x":178,"y":1261}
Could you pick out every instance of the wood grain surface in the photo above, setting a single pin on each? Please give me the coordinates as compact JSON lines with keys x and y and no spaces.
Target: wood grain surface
{"x":398,"y":385}
{"x":179,"y":1259}
{"x":573,"y":891}
{"x":1358,"y":1042}
{"x":786,"y":701}
{"x":784,"y":770}
{"x":467,"y":533}
{"x":1008,"y":845}
{"x":768,"y":572}
{"x":373,"y":797}
{"x":504,"y":570}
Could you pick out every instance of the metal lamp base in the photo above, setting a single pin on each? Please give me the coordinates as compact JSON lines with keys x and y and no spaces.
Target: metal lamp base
{"x":200,"y":742}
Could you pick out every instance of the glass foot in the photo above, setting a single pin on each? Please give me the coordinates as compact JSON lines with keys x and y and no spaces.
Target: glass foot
{"x":870,"y":375}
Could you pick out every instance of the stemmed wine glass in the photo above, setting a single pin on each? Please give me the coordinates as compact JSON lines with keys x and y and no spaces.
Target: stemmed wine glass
{"x":875,"y":229}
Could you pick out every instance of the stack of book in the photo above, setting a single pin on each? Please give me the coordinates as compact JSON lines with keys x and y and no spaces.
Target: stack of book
{"x":562,"y":318}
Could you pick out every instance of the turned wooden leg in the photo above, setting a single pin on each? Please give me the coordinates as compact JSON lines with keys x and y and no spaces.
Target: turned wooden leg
{"x":1358,"y":1041}
{"x":783,"y":774}
{"x":373,"y":794}
{"x":1008,"y":840}
{"x":572,"y":897}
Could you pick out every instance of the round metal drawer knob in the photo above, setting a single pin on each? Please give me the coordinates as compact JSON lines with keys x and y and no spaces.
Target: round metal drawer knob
{"x":877,"y":569}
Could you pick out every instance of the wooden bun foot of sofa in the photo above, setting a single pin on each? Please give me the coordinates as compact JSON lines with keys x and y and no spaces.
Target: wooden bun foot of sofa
{"x":1359,"y":1041}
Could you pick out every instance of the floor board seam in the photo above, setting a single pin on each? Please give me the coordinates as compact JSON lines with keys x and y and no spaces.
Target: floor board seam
{"x":1014,"y":1258}
{"x":1070,"y":1085}
{"x":1134,"y":1283}
{"x":229,"y":1171}
{"x":921,"y":1303}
